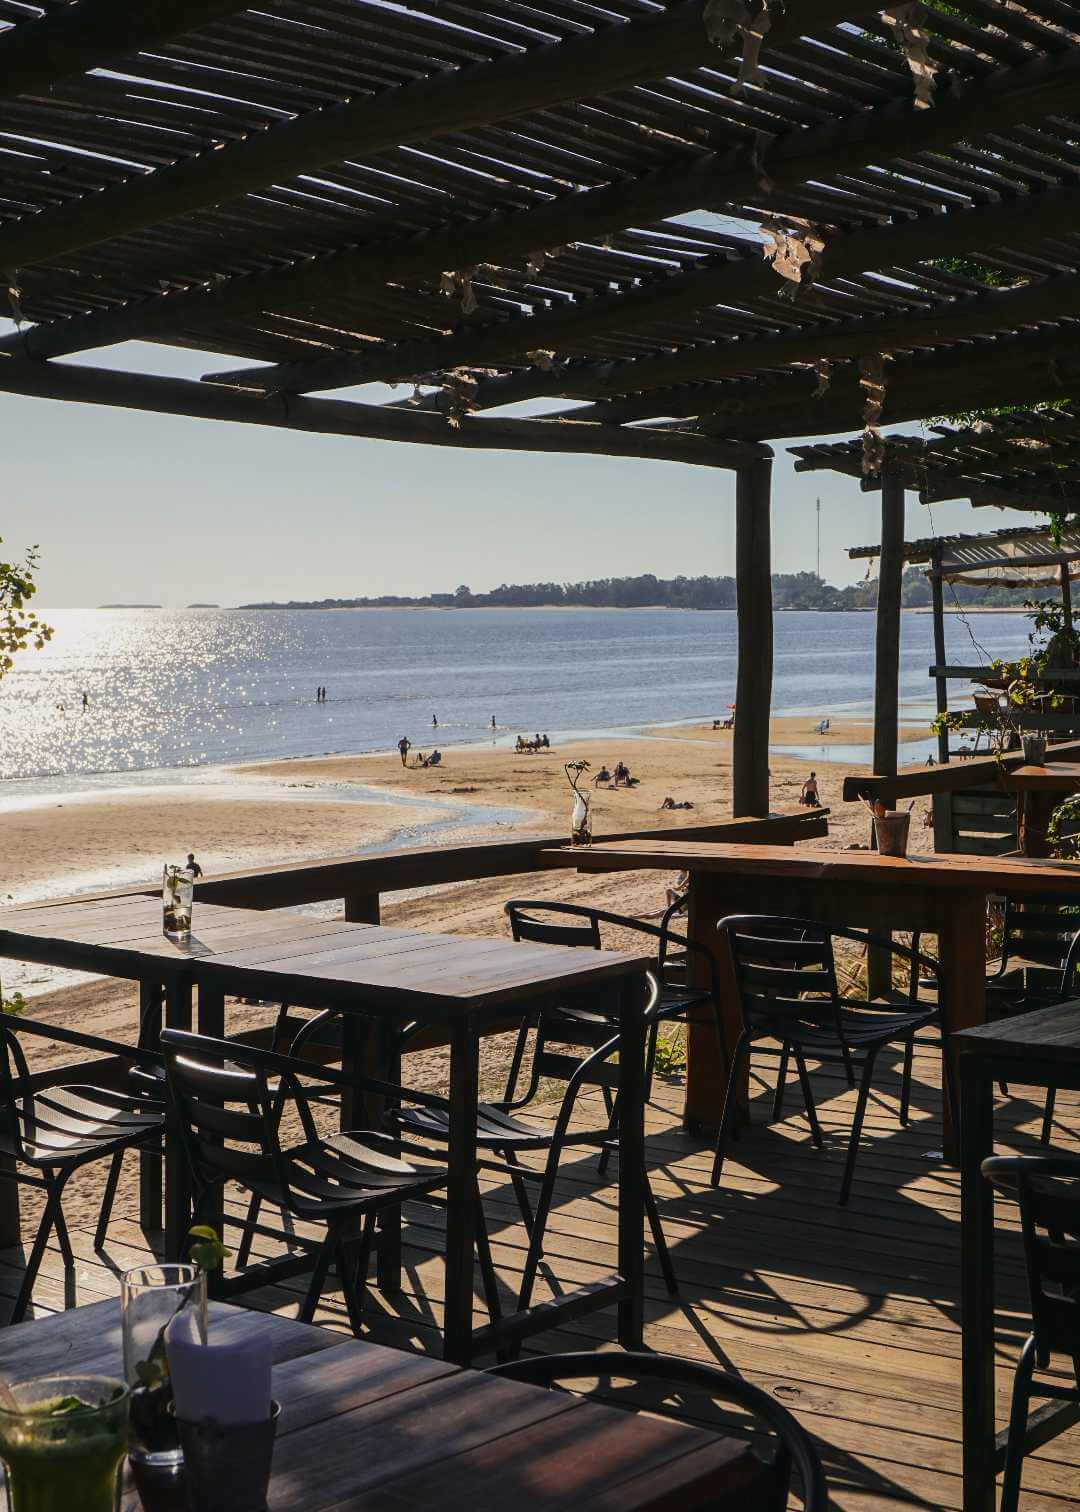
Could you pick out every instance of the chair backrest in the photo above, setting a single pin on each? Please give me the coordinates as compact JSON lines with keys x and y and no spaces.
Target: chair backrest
{"x":18,"y":1110}
{"x":1040,"y":929}
{"x":553,"y":923}
{"x":228,"y":1099}
{"x":785,"y":969}
{"x":1047,"y":1188}
{"x":793,"y":1446}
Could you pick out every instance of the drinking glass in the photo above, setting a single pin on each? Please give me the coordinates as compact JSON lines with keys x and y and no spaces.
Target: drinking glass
{"x":62,"y":1441}
{"x":151,"y":1297}
{"x":177,"y":891}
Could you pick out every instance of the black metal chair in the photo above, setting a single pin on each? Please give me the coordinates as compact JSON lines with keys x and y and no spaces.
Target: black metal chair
{"x":51,"y":1133}
{"x":1047,"y":1189}
{"x":501,"y":1132}
{"x":1037,"y":933}
{"x":672,"y":999}
{"x":794,"y":1446}
{"x":230,"y":1099}
{"x":785,"y":969}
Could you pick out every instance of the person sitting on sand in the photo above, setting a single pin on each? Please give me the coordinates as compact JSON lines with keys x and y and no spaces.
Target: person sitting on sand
{"x":603,"y":775}
{"x":821,"y":728}
{"x":669,"y":803}
{"x":729,"y":722}
{"x":621,"y":775}
{"x":810,"y":795}
{"x":434,"y":759}
{"x":678,"y":895}
{"x":545,"y":742}
{"x":404,"y":746}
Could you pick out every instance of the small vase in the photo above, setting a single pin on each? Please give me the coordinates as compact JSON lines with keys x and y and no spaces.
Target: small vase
{"x":151,"y":1296}
{"x":580,"y":821}
{"x":891,"y":832}
{"x":177,"y":891}
{"x":1034,"y":749}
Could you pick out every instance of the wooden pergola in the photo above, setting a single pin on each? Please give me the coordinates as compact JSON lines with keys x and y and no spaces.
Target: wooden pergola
{"x":503,"y":201}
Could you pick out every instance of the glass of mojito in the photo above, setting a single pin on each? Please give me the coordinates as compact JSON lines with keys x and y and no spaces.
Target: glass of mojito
{"x":62,"y":1442}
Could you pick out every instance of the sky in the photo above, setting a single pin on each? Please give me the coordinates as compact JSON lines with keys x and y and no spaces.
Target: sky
{"x":134,"y":507}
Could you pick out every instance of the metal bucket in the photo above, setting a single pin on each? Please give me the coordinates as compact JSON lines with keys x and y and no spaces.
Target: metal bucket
{"x":891,"y":832}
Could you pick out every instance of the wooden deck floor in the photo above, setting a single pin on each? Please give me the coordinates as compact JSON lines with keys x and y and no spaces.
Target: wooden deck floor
{"x":849,"y":1316}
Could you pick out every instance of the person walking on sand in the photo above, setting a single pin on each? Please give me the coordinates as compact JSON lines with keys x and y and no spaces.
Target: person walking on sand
{"x":404,"y":745}
{"x":193,"y":866}
{"x":494,"y":726}
{"x":810,"y":796}
{"x":434,"y":721}
{"x":85,"y":700}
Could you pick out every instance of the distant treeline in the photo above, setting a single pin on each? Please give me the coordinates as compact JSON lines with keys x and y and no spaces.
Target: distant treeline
{"x":791,"y":590}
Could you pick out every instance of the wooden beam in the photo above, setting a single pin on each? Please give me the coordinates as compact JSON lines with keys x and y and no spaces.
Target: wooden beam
{"x":887,"y":626}
{"x":613,"y":57}
{"x":753,"y":687}
{"x":72,"y":39}
{"x":715,"y":179}
{"x":975,"y":315}
{"x":336,"y":417}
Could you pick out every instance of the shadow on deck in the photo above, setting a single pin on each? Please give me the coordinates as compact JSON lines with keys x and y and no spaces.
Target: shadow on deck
{"x":849,"y":1316}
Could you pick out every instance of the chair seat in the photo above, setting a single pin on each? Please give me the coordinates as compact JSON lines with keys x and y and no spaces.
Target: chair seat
{"x":495,"y":1130}
{"x":349,"y":1170}
{"x":864,"y":1030}
{"x":75,"y":1123}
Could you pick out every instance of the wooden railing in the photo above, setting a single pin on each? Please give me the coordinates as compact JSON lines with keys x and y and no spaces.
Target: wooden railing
{"x":949,"y":778}
{"x":360,"y":881}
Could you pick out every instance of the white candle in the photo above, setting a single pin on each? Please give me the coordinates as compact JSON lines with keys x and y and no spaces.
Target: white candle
{"x":228,"y":1382}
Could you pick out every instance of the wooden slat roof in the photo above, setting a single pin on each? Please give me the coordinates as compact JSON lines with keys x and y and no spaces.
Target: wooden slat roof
{"x":522,"y":194}
{"x":1029,"y":459}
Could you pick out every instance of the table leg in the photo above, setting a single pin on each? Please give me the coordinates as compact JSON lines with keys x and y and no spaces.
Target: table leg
{"x":177,"y":1175}
{"x":706,"y":1066}
{"x":150,"y":1167}
{"x":977,"y":1284}
{"x":632,"y":1160}
{"x":962,"y":954}
{"x":10,"y":1216}
{"x":460,"y":1221}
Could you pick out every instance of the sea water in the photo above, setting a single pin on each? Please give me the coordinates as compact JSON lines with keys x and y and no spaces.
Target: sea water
{"x":122,"y":696}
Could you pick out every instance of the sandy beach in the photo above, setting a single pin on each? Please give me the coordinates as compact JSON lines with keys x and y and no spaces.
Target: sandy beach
{"x":271,"y":811}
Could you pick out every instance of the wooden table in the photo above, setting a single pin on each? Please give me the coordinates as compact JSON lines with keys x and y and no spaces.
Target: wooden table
{"x":393,"y":976}
{"x":121,"y":936}
{"x":368,"y":1429}
{"x":1039,"y":790}
{"x":943,"y":895}
{"x":1040,"y":1049}
{"x":398,"y":976}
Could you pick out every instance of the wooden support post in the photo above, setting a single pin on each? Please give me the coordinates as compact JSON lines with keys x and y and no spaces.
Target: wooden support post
{"x":362,"y":908}
{"x":1066,"y":595}
{"x":942,"y":802}
{"x":887,"y":669}
{"x":753,"y":688}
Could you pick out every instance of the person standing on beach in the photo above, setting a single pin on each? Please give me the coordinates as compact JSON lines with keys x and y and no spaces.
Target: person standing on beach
{"x":193,"y":866}
{"x":493,"y":724}
{"x":434,"y":721}
{"x":85,"y":700}
{"x":404,"y":745}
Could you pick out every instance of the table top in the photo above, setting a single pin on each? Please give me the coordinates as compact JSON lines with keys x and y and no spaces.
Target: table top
{"x":979,"y":873}
{"x":411,"y":971}
{"x":324,"y":962}
{"x":1044,"y":1033}
{"x":365,"y":1427}
{"x":1053,"y":777}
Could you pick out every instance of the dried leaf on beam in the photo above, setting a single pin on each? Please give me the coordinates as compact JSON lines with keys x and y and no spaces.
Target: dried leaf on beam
{"x":823,"y":373}
{"x":915,"y":41}
{"x":793,"y":247}
{"x":542,"y":359}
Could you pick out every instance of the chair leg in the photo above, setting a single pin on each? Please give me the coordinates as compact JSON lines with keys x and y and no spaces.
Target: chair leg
{"x":781,"y":1078}
{"x":487,"y":1265}
{"x":808,"y":1099}
{"x":111,"y":1183}
{"x":354,"y":1260}
{"x":663,"y":1255}
{"x":243,"y":1249}
{"x":521,"y":1191}
{"x":905,"y":1081}
{"x":731,"y":1095}
{"x":650,"y":1058}
{"x":856,"y":1127}
{"x":543,"y":1209}
{"x":36,"y":1255}
{"x":612,"y":1134}
{"x":318,"y":1279}
{"x":1018,"y":1416}
{"x":1048,"y":1115}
